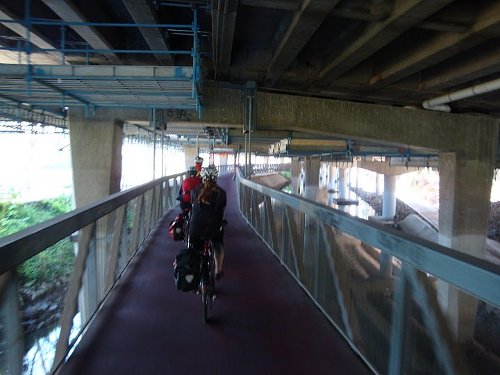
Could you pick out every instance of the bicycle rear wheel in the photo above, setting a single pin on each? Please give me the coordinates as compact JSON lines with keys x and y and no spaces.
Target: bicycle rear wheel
{"x":205,"y":299}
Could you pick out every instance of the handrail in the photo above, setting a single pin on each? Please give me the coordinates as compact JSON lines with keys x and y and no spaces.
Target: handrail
{"x":110,"y":232}
{"x":476,"y":276}
{"x":20,"y":246}
{"x":390,"y":321}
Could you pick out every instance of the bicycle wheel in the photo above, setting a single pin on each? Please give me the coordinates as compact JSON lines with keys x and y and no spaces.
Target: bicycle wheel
{"x":205,"y":297}
{"x":205,"y":286}
{"x":185,"y":228}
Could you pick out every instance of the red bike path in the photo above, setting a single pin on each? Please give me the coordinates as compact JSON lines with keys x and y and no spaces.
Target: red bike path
{"x":262,"y":322}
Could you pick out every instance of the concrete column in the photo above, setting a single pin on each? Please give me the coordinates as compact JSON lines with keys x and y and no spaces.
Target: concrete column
{"x":332,"y":176}
{"x":357,"y":175}
{"x":296,"y":169}
{"x":377,"y":184}
{"x":96,"y":144}
{"x":311,"y":230}
{"x":388,"y":212}
{"x":190,"y":153}
{"x":343,"y":183}
{"x":223,"y":159}
{"x":464,"y":206}
{"x":389,"y":198}
{"x":96,"y":153}
{"x":311,"y":178}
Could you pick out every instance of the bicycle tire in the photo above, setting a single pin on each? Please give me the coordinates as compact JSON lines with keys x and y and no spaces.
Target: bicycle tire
{"x":205,"y":298}
{"x":187,"y":241}
{"x":208,"y":290}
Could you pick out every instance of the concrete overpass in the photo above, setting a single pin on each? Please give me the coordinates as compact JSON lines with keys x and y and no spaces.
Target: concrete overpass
{"x":252,"y":73}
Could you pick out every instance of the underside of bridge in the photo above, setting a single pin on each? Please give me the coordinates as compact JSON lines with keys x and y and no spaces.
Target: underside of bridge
{"x":332,"y":79}
{"x":177,"y":56}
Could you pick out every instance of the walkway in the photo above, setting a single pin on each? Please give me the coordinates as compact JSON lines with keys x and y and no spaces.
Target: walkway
{"x":263,"y":323}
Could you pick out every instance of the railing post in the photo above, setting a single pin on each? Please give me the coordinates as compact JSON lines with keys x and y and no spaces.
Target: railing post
{"x":10,"y":310}
{"x":400,"y":307}
{"x":115,"y":246}
{"x":70,"y":300}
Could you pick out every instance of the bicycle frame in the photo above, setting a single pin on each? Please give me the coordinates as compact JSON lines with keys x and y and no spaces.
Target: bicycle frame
{"x":187,"y":217}
{"x":207,"y":283}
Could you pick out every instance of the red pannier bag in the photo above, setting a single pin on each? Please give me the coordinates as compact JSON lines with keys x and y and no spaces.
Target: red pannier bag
{"x":176,"y":229}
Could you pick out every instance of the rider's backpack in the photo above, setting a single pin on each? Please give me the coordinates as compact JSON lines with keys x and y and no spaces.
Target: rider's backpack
{"x":187,"y":270}
{"x":176,"y":228}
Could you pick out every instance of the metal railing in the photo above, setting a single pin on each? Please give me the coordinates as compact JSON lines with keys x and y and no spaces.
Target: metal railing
{"x":394,"y":322}
{"x":268,"y":168}
{"x":107,"y":235}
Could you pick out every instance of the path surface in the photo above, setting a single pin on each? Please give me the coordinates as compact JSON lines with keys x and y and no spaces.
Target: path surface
{"x":263,"y":323}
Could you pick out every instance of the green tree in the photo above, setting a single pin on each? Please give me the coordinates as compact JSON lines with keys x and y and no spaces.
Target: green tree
{"x":51,"y":264}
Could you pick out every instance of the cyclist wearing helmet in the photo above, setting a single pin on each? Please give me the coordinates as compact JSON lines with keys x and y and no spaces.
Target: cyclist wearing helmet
{"x":207,"y":215}
{"x":198,"y":162}
{"x":187,"y":186}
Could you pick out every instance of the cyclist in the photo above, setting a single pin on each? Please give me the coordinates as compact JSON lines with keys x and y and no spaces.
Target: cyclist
{"x":207,"y":215}
{"x":198,"y":162}
{"x":187,"y":186}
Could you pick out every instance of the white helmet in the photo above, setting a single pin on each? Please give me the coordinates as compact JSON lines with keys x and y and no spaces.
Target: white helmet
{"x":209,"y":173}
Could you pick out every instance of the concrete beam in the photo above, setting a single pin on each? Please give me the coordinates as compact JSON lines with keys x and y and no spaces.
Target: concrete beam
{"x":474,"y":136}
{"x":70,"y":13}
{"x":305,"y":22}
{"x":141,"y":12}
{"x":224,"y":21}
{"x":384,"y":168}
{"x":405,"y":15}
{"x":440,"y":48}
{"x":35,"y":38}
{"x":274,"y":4}
{"x":364,"y":10}
{"x":296,"y":145}
{"x":471,"y":68}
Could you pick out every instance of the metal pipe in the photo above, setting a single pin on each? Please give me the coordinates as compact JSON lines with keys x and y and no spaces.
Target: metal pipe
{"x":153,"y":122}
{"x":439,"y":103}
{"x":86,"y":50}
{"x":38,"y":21}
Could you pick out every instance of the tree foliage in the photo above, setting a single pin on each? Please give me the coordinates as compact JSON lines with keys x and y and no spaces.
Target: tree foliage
{"x":51,"y":264}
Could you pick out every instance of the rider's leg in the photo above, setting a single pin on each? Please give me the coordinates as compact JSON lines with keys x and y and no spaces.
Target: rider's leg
{"x":219,"y":257}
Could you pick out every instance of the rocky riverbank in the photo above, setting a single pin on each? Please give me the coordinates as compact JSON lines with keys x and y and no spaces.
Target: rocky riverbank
{"x":403,"y":210}
{"x":42,"y":306}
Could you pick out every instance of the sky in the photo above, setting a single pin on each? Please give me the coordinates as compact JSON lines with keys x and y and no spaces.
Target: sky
{"x":38,"y":166}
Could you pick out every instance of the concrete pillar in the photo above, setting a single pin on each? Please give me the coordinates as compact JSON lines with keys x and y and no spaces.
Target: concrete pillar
{"x":343,"y":183}
{"x":388,"y":212}
{"x":311,"y":178}
{"x":377,"y":184}
{"x":311,"y":230}
{"x":332,"y":176}
{"x":96,"y":144}
{"x":464,"y":205}
{"x":389,"y":198}
{"x":357,"y":175}
{"x":296,"y":169}
{"x":190,"y":153}
{"x":223,"y":159}
{"x":96,"y":154}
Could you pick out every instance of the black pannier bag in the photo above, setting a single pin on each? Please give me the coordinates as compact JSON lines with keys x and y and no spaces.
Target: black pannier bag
{"x":187,"y":270}
{"x":176,"y":229}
